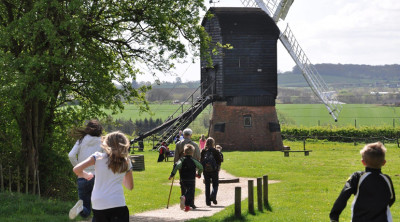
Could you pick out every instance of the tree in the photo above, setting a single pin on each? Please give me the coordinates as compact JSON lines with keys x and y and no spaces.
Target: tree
{"x":178,"y":80}
{"x":53,"y":53}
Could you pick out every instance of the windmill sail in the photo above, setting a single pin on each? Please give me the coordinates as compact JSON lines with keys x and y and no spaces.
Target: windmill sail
{"x":279,"y":10}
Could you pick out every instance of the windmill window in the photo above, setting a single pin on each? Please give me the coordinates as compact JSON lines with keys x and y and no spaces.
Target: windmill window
{"x":247,"y":120}
{"x":219,"y":127}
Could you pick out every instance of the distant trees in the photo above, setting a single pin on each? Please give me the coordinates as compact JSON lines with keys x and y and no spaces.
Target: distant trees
{"x":130,"y":127}
{"x":351,"y":74}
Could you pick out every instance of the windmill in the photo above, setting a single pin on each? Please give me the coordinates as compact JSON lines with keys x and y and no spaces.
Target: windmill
{"x":242,"y":83}
{"x":278,"y":11}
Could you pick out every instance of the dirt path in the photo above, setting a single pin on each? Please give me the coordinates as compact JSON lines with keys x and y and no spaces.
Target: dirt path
{"x":225,"y":197}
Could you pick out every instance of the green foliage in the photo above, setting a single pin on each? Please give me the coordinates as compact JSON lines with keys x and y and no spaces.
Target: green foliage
{"x":56,"y":53}
{"x":343,"y":134}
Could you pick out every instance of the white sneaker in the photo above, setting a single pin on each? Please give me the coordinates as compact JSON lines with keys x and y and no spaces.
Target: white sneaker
{"x":76,"y":209}
{"x":182,"y":202}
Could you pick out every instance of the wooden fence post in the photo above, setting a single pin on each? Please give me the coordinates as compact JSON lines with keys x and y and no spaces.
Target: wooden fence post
{"x":250,"y":184}
{"x":265,"y":186}
{"x":238,"y":202}
{"x":259,"y":194}
{"x":1,"y":178}
{"x":26,"y":180}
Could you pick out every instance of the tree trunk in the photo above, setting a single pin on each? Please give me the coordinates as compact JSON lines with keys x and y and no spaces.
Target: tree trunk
{"x":31,"y":127}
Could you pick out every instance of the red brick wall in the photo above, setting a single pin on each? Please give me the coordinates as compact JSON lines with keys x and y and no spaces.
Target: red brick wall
{"x":239,"y":137}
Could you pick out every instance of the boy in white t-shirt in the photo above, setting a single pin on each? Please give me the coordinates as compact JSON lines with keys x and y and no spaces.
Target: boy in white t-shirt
{"x":112,"y":169}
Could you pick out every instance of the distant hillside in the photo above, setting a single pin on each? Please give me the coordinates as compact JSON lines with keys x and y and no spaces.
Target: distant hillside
{"x":345,"y":75}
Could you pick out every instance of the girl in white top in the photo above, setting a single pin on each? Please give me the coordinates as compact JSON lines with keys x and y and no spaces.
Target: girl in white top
{"x":88,"y":143}
{"x":112,"y":169}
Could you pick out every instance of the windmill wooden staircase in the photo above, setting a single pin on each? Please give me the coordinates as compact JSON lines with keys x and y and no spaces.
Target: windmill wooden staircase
{"x":184,"y":116}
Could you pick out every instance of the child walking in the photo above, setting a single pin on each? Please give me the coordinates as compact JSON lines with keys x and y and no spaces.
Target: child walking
{"x":187,"y":166}
{"x":373,"y":191}
{"x":112,"y":168}
{"x":211,"y":161}
{"x":88,"y":143}
{"x":202,"y":142}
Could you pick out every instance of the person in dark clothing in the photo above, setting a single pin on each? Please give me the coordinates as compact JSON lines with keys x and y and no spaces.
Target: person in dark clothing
{"x":187,"y":166}
{"x":163,"y":152}
{"x":373,"y":191}
{"x":211,"y":161}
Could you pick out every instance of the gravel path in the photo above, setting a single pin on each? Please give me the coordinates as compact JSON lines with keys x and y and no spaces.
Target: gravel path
{"x":225,"y":197}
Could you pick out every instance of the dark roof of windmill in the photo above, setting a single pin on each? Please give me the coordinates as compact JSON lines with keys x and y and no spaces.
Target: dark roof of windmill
{"x":248,"y":20}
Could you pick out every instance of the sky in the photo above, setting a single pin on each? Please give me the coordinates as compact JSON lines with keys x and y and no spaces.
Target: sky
{"x":329,"y":31}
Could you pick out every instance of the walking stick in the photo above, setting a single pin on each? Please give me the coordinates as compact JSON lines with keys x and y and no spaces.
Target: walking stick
{"x":170,"y":190}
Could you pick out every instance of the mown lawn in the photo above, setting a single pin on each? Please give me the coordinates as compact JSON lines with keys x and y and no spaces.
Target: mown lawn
{"x":309,"y":184}
{"x":307,"y":189}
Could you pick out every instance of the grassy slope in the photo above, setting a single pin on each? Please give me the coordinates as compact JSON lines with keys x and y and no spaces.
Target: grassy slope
{"x":309,"y":184}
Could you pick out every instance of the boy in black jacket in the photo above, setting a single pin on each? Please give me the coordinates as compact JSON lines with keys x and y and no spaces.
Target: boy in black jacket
{"x":187,"y":166}
{"x":373,"y":191}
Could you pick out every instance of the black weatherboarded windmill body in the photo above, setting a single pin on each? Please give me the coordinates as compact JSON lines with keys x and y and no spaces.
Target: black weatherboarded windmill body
{"x":241,"y":84}
{"x":243,"y":79}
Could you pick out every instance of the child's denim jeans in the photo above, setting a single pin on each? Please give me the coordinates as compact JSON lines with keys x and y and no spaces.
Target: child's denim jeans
{"x":85,"y":188}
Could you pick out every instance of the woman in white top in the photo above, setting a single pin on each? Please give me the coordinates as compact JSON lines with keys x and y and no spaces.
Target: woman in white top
{"x":88,"y":143}
{"x":112,"y":169}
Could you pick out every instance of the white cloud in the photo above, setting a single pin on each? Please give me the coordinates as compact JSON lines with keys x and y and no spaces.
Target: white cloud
{"x":339,"y":31}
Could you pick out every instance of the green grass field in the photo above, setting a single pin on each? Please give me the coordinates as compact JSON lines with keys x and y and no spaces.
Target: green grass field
{"x":298,"y":114}
{"x":359,"y":114}
{"x":309,"y":184}
{"x":307,"y":189}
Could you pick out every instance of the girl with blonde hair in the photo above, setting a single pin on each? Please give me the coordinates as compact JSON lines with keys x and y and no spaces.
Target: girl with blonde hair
{"x":112,"y":168}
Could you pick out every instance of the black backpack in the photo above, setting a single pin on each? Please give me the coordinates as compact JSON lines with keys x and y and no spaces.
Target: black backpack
{"x":209,"y":163}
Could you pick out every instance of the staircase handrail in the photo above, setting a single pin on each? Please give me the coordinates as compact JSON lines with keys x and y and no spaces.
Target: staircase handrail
{"x":191,"y":107}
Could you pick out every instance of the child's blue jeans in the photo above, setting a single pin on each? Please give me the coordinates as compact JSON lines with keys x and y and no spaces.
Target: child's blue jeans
{"x":213,"y":178}
{"x":85,"y":188}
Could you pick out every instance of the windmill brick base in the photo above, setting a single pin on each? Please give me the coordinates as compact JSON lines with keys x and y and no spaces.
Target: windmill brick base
{"x":245,"y":127}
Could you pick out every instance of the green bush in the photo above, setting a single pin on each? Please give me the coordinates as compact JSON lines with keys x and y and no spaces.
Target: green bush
{"x":343,"y":134}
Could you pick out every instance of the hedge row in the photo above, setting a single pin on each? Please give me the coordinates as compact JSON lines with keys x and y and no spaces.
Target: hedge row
{"x":347,"y":134}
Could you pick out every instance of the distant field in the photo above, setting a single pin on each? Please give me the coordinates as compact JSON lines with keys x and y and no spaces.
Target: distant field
{"x":296,"y":114}
{"x":359,"y":114}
